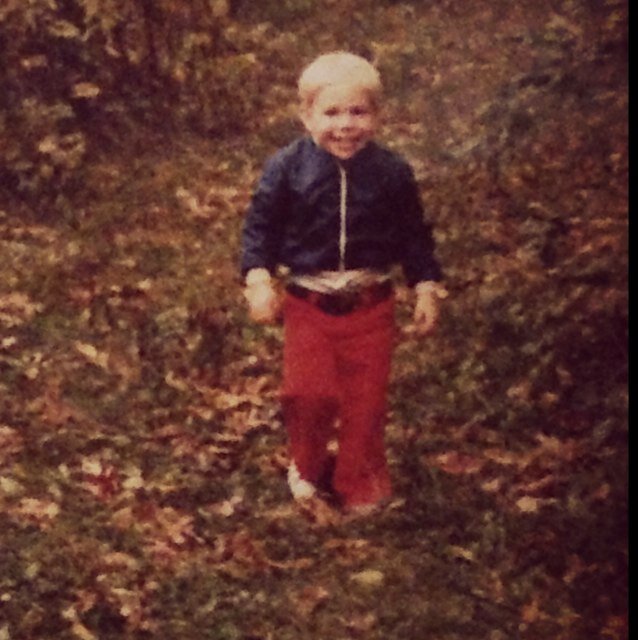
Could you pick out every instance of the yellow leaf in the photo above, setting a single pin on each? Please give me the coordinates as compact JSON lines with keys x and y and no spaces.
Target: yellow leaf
{"x":527,"y":504}
{"x":174,"y":382}
{"x":32,"y":571}
{"x":10,"y":487}
{"x":493,"y":485}
{"x":368,"y":578}
{"x":81,"y":632}
{"x":63,"y":29}
{"x":86,"y":90}
{"x":94,"y":356}
{"x":77,"y":628}
{"x":39,"y":509}
{"x":460,"y":552}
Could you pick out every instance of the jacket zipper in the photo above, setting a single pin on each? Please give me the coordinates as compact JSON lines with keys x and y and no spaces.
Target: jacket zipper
{"x":343,"y":183}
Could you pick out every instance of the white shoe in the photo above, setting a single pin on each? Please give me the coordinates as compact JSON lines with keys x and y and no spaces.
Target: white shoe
{"x":299,"y":487}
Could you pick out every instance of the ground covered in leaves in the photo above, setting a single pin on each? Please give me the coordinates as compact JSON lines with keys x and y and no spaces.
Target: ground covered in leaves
{"x":142,"y":457}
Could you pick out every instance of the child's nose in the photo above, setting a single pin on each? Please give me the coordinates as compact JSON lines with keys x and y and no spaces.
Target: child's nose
{"x":346,"y":120}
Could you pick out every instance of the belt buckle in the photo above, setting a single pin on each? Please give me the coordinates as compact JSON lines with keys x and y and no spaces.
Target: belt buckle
{"x":339,"y":304}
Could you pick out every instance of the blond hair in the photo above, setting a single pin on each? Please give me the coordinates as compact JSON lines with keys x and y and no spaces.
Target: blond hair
{"x":338,"y":67}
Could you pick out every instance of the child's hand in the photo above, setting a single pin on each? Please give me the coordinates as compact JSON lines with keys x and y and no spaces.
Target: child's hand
{"x":263,"y":303}
{"x":263,"y":300}
{"x":426,"y":308}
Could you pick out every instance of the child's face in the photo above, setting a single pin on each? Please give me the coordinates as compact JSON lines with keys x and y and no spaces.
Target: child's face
{"x":341,"y":120}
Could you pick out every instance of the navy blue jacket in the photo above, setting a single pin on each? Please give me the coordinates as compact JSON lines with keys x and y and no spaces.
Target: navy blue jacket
{"x":295,"y":215}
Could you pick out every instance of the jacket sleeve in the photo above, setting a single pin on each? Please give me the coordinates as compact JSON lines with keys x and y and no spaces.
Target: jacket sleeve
{"x":262,"y":234}
{"x":417,"y":242}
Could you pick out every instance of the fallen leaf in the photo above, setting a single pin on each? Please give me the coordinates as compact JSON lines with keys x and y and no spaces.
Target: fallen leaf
{"x":225,"y":509}
{"x":318,"y":511}
{"x":502,"y":456}
{"x":461,"y":552}
{"x":493,"y":485}
{"x":129,"y":604}
{"x":616,"y":628}
{"x":350,"y":551}
{"x":456,"y":463}
{"x":368,"y":578}
{"x":82,"y":632}
{"x":361,"y":624}
{"x":528,"y":504}
{"x":36,"y":511}
{"x":16,"y":308}
{"x":77,"y":628}
{"x":520,"y":392}
{"x":91,"y":353}
{"x":101,"y":479}
{"x":85,"y":90}
{"x":10,"y":487}
{"x":11,"y":442}
{"x":309,"y":599}
{"x":602,"y":493}
{"x":531,"y":612}
{"x":117,"y":560}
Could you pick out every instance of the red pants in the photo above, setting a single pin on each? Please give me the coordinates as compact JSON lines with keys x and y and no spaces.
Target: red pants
{"x":338,"y":367}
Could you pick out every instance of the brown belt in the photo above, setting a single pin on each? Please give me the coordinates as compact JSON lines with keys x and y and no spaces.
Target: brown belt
{"x":342,"y":303}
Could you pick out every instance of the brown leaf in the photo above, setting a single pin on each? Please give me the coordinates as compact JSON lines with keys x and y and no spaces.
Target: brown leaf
{"x":456,"y":463}
{"x":98,"y":358}
{"x":502,"y":456}
{"x":117,"y":561}
{"x":36,"y":511}
{"x":309,"y":599}
{"x":275,"y":461}
{"x":362,"y":623}
{"x":492,"y":485}
{"x":602,"y":493}
{"x":177,"y":527}
{"x":11,"y":442}
{"x":461,"y":553}
{"x":319,"y":512}
{"x":225,"y":509}
{"x":531,"y":612}
{"x":81,"y":632}
{"x":528,"y":504}
{"x":241,"y":548}
{"x":349,"y":551}
{"x":129,"y":604}
{"x":616,"y":628}
{"x":575,"y":567}
{"x":16,"y":308}
{"x":567,"y":450}
{"x":520,"y":392}
{"x":166,"y":531}
{"x":101,"y":479}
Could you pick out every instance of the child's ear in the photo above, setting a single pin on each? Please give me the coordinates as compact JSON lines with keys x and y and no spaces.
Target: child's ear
{"x":303,"y":112}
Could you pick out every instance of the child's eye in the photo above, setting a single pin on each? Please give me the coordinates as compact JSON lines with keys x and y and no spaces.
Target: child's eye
{"x":359,"y":111}
{"x":331,"y":113}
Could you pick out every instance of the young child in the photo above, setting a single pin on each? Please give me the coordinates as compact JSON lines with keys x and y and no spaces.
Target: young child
{"x":338,"y":210}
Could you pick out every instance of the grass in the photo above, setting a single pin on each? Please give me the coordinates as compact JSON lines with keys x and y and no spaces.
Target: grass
{"x":144,"y":495}
{"x":142,"y":456}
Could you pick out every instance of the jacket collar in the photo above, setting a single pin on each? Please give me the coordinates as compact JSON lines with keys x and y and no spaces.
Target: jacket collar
{"x":327,"y":160}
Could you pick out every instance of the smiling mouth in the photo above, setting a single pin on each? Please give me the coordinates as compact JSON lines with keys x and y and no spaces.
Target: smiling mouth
{"x":347,"y":141}
{"x":346,"y":147}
